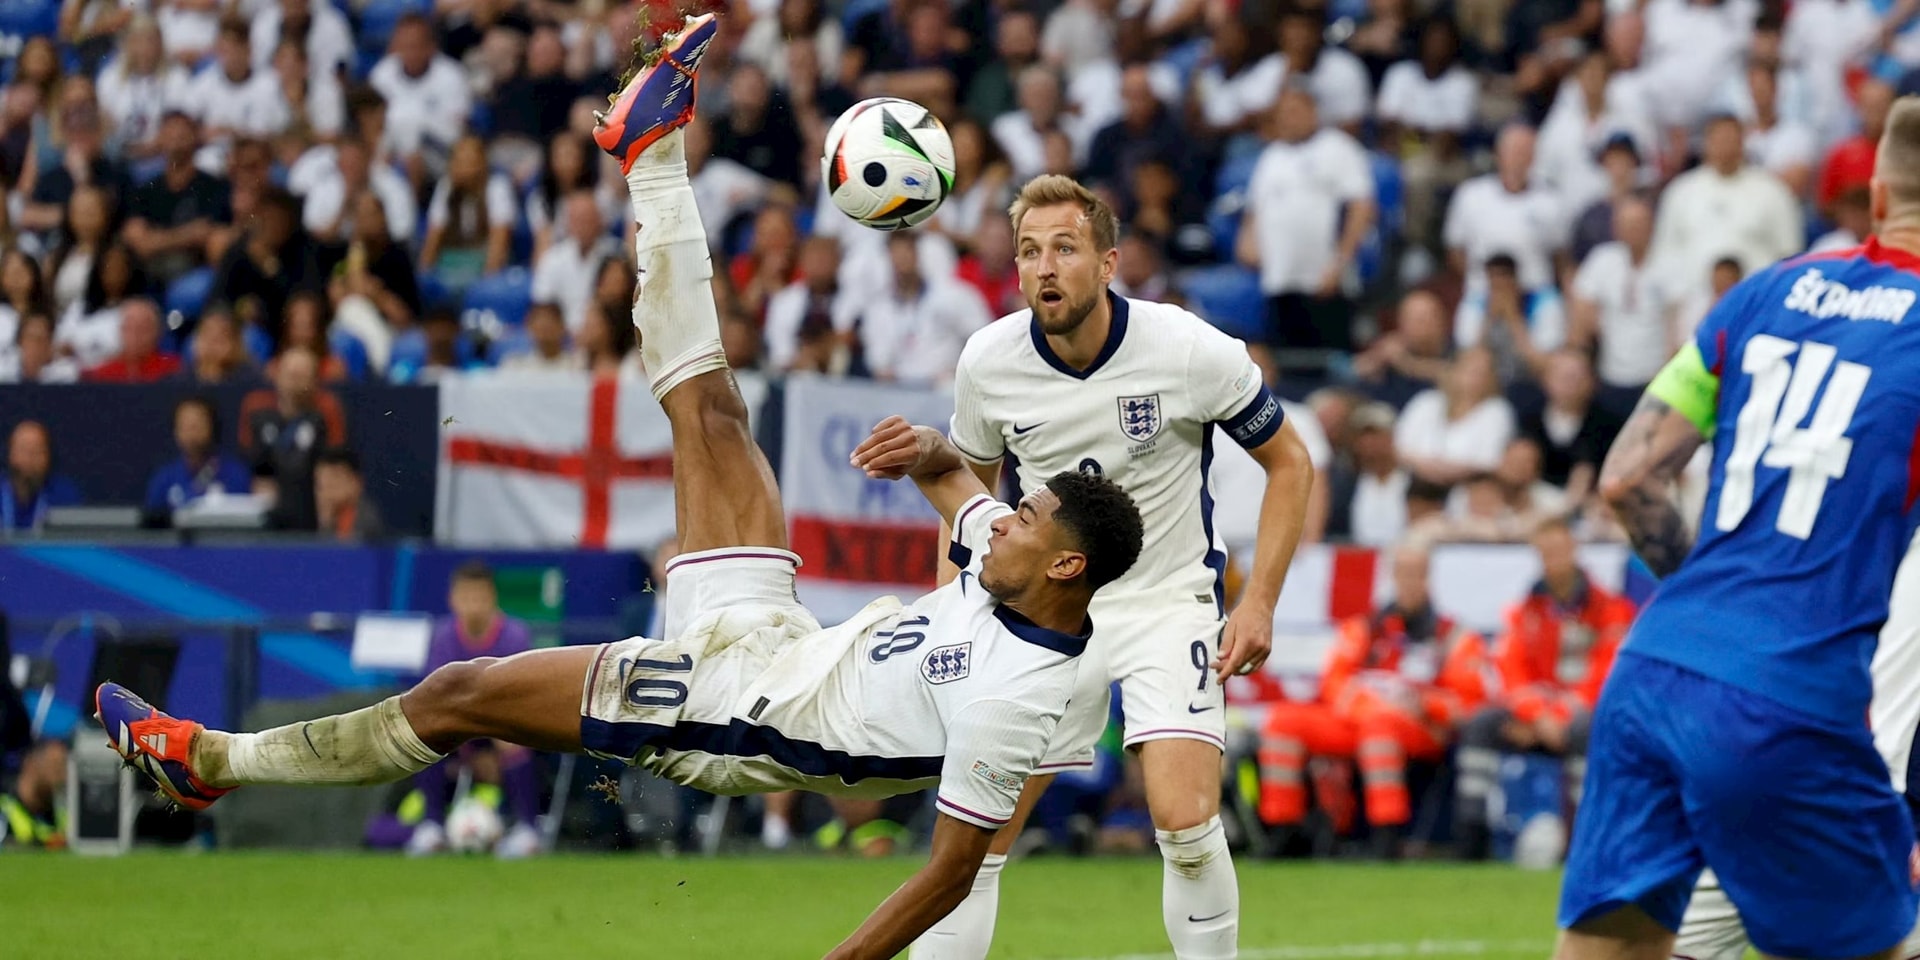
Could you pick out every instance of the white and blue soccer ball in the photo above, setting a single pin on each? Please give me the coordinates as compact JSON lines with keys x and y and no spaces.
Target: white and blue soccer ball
{"x":473,"y":826}
{"x":888,"y":163}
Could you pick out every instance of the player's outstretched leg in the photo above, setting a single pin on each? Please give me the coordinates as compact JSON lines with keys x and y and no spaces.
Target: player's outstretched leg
{"x":1200,"y":894}
{"x":531,"y":699}
{"x":724,"y":494}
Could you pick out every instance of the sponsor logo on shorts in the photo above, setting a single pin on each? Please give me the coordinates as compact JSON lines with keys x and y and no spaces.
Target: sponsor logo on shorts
{"x":949,"y":663}
{"x":997,"y":777}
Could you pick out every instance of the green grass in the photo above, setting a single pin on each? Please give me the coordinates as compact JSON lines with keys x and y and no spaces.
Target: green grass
{"x":264,"y":906}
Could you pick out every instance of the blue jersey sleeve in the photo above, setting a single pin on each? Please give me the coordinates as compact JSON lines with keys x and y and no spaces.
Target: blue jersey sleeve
{"x":1723,"y":325}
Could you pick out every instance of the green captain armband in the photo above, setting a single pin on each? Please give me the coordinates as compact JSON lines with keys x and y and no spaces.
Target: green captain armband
{"x":1686,"y":385}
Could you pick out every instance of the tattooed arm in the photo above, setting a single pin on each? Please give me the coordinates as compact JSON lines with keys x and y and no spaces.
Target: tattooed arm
{"x":1638,"y":476}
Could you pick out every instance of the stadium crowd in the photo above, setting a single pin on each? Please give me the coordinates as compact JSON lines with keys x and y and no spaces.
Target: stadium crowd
{"x":1465,"y":234}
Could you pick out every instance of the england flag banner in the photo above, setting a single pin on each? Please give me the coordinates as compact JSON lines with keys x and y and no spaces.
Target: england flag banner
{"x":556,"y":460}
{"x":857,"y":538}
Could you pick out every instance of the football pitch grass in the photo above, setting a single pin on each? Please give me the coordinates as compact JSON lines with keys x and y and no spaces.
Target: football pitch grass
{"x":266,"y":906}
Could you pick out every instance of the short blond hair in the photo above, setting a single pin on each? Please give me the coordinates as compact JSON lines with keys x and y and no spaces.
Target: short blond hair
{"x":1900,"y":151}
{"x":1051,"y":189}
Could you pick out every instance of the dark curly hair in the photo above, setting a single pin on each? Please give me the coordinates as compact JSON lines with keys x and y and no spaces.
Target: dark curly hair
{"x":1103,"y":521}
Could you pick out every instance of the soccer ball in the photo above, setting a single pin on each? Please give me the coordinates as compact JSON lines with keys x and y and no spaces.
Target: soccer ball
{"x":888,"y":163}
{"x":473,"y":826}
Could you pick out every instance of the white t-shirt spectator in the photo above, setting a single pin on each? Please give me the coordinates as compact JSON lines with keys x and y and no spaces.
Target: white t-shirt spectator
{"x":1546,"y":319}
{"x":93,"y":337}
{"x":136,"y":104}
{"x":1478,"y":439}
{"x":1635,"y":314}
{"x":501,"y":208}
{"x":1821,"y":38}
{"x":1239,"y":483}
{"x":566,"y":275}
{"x":1484,"y":219}
{"x":329,"y":39}
{"x":253,"y":107}
{"x":919,"y":340}
{"x":1781,"y":147}
{"x":1689,"y":48}
{"x":1340,"y":86}
{"x":1225,"y":101}
{"x":723,"y":188}
{"x":185,"y":31}
{"x":1025,"y":147}
{"x":325,"y":200}
{"x":1295,"y":196}
{"x":326,"y":105}
{"x":787,"y":310}
{"x":1446,"y":103}
{"x":1566,"y":158}
{"x":1703,"y":216}
{"x":431,"y":107}
{"x":1379,"y":509}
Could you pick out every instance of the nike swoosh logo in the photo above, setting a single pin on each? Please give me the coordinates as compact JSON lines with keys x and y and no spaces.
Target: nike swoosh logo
{"x":1193,"y":919}
{"x":1019,"y":430}
{"x":1193,"y":709}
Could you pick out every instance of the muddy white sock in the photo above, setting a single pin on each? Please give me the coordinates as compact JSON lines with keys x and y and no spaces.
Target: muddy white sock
{"x":679,"y":326}
{"x":372,"y":745}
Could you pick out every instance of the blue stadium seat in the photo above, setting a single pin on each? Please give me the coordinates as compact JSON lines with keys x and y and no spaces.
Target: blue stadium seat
{"x":857,"y":9}
{"x":189,"y":293}
{"x":433,"y":293}
{"x":1389,"y":194}
{"x":505,"y":295}
{"x":259,"y":343}
{"x":379,"y":17}
{"x":1229,"y":297}
{"x":1236,"y":173}
{"x":409,"y":348}
{"x":352,"y":352}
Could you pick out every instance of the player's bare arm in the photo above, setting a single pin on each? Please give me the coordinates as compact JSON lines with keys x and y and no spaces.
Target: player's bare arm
{"x":1248,"y":637}
{"x":1674,"y":417}
{"x":897,"y":449}
{"x":931,"y":893}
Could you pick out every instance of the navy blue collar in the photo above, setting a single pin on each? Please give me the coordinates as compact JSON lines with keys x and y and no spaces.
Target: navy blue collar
{"x":1069,"y":644}
{"x":1116,"y":332}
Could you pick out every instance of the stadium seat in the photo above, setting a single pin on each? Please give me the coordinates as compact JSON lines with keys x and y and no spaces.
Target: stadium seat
{"x":188,"y":295}
{"x":409,"y":349}
{"x":259,"y":343}
{"x":1229,"y":297}
{"x":505,"y":296}
{"x":1389,"y":194}
{"x":1236,"y":173}
{"x":433,"y":293}
{"x":352,"y":352}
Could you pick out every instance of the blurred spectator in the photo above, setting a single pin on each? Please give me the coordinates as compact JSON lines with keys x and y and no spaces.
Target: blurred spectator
{"x":249,"y":177}
{"x":1553,"y":655}
{"x":271,"y":261}
{"x":428,"y":100}
{"x":319,"y":30}
{"x":569,"y":169}
{"x":1595,"y":105}
{"x":723,"y":189}
{"x":914,"y":332}
{"x":172,"y":217}
{"x":345,"y":511}
{"x":312,"y":100}
{"x":1021,"y":134}
{"x":1396,"y":683}
{"x":1519,"y":326}
{"x":547,"y":335}
{"x":202,"y":469}
{"x":137,"y":87}
{"x":1341,"y":88}
{"x":1824,"y":39}
{"x":477,"y":628}
{"x":83,"y":163}
{"x":31,"y":488}
{"x":233,"y":99}
{"x":1506,"y":212}
{"x":990,"y":268}
{"x":1016,"y":46}
{"x":1413,"y":356}
{"x":1693,"y":309}
{"x":23,"y":290}
{"x":1310,"y":204}
{"x":607,"y":341}
{"x":1526,"y":498}
{"x":770,"y":263}
{"x":1425,"y":106}
{"x":284,"y":429}
{"x":1145,"y":131}
{"x":1850,"y":163}
{"x":88,"y":222}
{"x":1080,"y":36}
{"x":1779,"y":146}
{"x":740,"y":339}
{"x":372,"y":288}
{"x":802,"y":22}
{"x":305,"y":328}
{"x":565,"y":272}
{"x":1160,"y":205}
{"x":32,"y":358}
{"x":1239,"y":78}
{"x":1571,"y":433}
{"x":1367,"y":502}
{"x":1691,"y":45}
{"x":808,"y":316}
{"x":523,"y":105}
{"x":1621,"y":313}
{"x":758,"y":130}
{"x":1852,"y":222}
{"x":1387,"y":33}
{"x":1620,"y":161}
{"x":89,"y":27}
{"x":1724,"y":207}
{"x":446,"y":354}
{"x":140,"y":360}
{"x":327,"y":209}
{"x":1141,"y":274}
{"x":1476,"y":511}
{"x":980,"y":185}
{"x":216,"y":356}
{"x":1332,"y":407}
{"x":922,"y":63}
{"x":33,"y":813}
{"x":89,"y":330}
{"x":469,"y":220}
{"x":1458,"y":429}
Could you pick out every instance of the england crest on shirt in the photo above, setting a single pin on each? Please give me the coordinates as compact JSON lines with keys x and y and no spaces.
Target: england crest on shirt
{"x":949,"y":663}
{"x":1140,"y":417}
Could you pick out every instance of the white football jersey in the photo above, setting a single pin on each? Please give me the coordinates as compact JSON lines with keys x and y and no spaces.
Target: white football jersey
{"x":1142,"y":414}
{"x":1895,"y":713}
{"x":953,"y":688}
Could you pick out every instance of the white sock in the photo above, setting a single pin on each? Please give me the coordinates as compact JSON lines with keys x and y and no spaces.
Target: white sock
{"x":967,"y":932}
{"x":1201,"y":897}
{"x":679,"y":326}
{"x":372,"y":745}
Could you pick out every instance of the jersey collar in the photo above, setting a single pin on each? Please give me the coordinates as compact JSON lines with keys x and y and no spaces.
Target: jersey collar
{"x":1069,"y":644}
{"x":1116,"y":332}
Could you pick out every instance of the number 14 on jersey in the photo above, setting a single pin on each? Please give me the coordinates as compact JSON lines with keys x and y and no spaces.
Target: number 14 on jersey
{"x":1768,"y":432}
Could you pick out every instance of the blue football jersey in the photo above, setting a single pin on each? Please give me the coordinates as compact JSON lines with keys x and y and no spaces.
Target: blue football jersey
{"x":1816,"y":467}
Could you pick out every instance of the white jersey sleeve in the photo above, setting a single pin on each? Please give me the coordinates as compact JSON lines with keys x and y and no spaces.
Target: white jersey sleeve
{"x":1229,"y":390}
{"x":992,"y":747}
{"x":971,"y":431}
{"x":972,"y":527}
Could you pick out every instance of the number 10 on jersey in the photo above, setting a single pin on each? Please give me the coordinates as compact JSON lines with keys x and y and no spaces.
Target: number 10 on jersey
{"x":1768,"y":430}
